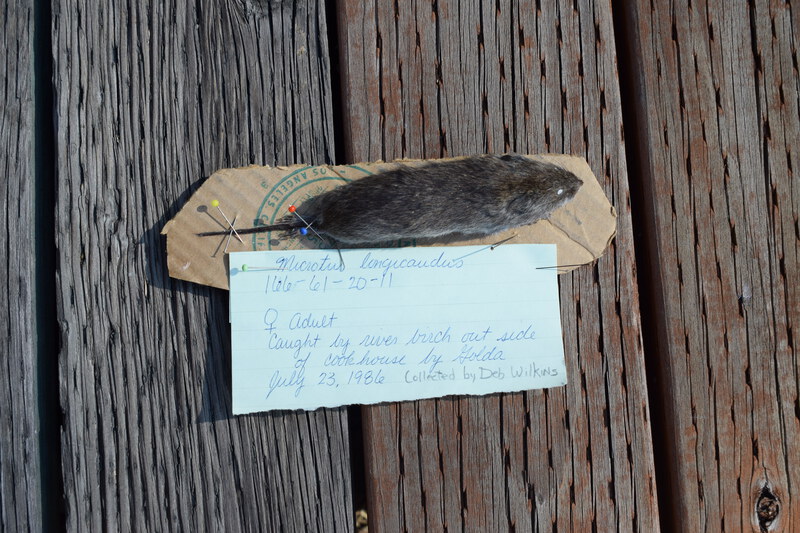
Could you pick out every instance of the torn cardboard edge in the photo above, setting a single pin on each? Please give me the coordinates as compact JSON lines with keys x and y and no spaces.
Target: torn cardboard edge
{"x":259,"y":195}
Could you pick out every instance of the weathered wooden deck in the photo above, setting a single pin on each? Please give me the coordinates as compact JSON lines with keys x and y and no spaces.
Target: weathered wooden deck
{"x":682,"y":411}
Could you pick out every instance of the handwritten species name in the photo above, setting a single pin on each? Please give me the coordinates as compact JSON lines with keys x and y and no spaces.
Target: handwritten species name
{"x":372,"y":262}
{"x":291,"y":263}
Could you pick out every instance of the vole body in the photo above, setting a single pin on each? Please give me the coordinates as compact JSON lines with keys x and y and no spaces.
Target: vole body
{"x":477,"y":196}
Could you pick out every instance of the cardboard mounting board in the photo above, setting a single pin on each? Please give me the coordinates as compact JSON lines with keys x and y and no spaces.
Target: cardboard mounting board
{"x":259,"y":196}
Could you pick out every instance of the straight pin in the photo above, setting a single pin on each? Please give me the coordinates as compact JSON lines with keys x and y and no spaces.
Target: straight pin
{"x":495,"y":245}
{"x":230,"y":233}
{"x":215,"y":203}
{"x":559,"y":266}
{"x":293,"y":209}
{"x":490,"y":247}
{"x":246,"y":268}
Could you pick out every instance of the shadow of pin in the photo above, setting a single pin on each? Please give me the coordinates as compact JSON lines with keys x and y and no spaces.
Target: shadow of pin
{"x":204,"y":209}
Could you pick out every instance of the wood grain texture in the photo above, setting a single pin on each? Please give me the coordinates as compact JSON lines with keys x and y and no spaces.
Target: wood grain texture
{"x":448,"y":78}
{"x":719,"y":131}
{"x":151,"y":98}
{"x":20,"y":481}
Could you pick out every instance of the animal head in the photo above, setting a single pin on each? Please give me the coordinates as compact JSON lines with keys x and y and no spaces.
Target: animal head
{"x":544,"y":188}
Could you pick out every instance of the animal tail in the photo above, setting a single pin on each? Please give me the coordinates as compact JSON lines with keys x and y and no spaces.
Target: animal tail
{"x":284,"y":226}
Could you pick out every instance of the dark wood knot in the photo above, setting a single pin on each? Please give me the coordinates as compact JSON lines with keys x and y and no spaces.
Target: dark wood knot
{"x":767,"y":508}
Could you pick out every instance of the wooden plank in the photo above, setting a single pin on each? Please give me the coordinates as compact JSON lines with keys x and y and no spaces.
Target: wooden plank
{"x":19,"y":437}
{"x":20,"y":466}
{"x":718,"y":135}
{"x":152,"y":98}
{"x":450,"y":78}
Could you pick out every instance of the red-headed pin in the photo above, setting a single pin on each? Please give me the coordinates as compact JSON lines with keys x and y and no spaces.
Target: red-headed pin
{"x":303,"y":231}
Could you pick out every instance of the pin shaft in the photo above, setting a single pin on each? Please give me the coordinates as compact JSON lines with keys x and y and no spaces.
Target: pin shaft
{"x":230,"y":224}
{"x":230,"y":233}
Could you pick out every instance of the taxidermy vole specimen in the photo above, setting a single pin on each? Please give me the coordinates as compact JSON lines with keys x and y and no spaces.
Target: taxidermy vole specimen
{"x":474,"y":196}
